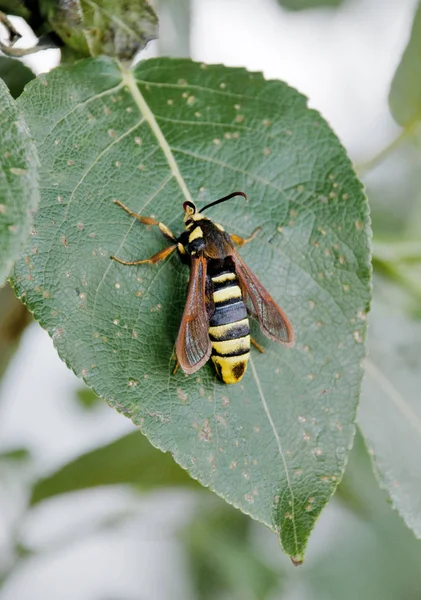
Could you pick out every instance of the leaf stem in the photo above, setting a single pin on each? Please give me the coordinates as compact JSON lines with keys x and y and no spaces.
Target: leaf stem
{"x":395,"y":251}
{"x":367,"y":166}
{"x":397,"y":272}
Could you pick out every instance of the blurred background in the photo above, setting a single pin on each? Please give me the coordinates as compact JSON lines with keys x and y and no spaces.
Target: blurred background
{"x":88,"y":510}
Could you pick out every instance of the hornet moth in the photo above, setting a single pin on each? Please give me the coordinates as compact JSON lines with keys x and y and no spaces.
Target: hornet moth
{"x":222,"y":292}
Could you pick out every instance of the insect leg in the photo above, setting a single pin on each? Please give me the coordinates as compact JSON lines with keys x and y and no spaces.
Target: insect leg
{"x":152,"y":260}
{"x":256,"y":345}
{"x":242,"y":241}
{"x":148,"y":221}
{"x":177,"y":364}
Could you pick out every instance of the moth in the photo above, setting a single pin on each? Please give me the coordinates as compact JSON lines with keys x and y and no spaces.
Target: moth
{"x":222,"y":293}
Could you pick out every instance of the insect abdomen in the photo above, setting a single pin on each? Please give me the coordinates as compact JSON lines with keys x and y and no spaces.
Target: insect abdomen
{"x":229,"y":329}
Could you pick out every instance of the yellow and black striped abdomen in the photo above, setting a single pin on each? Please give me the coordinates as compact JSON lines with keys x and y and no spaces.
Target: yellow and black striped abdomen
{"x":229,"y":328}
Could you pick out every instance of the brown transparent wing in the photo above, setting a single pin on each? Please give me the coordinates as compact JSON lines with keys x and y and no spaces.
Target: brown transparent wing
{"x":193,"y":346}
{"x":272,"y":320}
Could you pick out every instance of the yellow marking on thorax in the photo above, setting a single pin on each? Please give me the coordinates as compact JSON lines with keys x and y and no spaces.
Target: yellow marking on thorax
{"x":224,"y":277}
{"x":195,"y":234}
{"x":219,"y":227}
{"x":230,"y":346}
{"x":227,"y":294}
{"x":227,"y":366}
{"x":219,"y":331}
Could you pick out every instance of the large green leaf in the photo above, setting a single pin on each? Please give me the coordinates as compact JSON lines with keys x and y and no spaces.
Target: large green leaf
{"x":18,"y":182}
{"x":405,"y":91}
{"x":390,"y":410}
{"x":130,"y":459}
{"x":274,"y":445}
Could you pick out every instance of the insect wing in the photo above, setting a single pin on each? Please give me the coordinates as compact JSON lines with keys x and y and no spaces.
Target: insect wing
{"x":272,"y":320}
{"x":193,"y":346}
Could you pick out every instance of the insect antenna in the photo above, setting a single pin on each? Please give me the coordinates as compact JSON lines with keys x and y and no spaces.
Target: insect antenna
{"x":223,"y":199}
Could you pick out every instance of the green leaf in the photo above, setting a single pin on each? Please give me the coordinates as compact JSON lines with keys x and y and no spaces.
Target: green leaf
{"x":389,"y":414}
{"x":117,"y":28}
{"x":18,"y":182}
{"x":296,"y":5}
{"x":274,"y":445}
{"x":372,"y":557}
{"x":405,"y":91}
{"x":14,"y":74}
{"x":224,"y":561}
{"x":87,"y":398}
{"x":130,"y":459}
{"x":17,"y":454}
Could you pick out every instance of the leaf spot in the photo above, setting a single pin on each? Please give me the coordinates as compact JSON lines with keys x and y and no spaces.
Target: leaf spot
{"x":216,"y":141}
{"x":80,"y":226}
{"x":191,"y":100}
{"x":17,"y":171}
{"x":117,"y":285}
{"x":239,"y":118}
{"x":70,"y":162}
{"x":266,"y":151}
{"x":359,"y":225}
{"x":170,"y":102}
{"x":249,"y":498}
{"x":233,"y":464}
{"x":181,"y":395}
{"x":3,"y":209}
{"x":138,"y":140}
{"x":317,"y":451}
{"x":358,"y":337}
{"x":346,"y":287}
{"x":111,"y":133}
{"x":206,"y":431}
{"x":222,"y":85}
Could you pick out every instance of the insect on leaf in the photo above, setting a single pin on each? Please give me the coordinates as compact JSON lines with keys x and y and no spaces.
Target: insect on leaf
{"x":274,"y":445}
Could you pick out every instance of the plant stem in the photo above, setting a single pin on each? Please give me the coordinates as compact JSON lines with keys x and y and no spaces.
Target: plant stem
{"x":367,"y":166}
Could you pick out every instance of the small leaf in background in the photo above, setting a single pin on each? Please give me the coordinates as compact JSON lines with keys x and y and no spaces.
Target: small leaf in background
{"x":130,"y":459}
{"x":87,"y":398}
{"x":18,"y":182}
{"x":94,"y":27}
{"x":274,"y":445}
{"x":15,"y":75}
{"x":405,"y":91}
{"x":390,"y":409}
{"x":296,"y":5}
{"x":17,"y":454}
